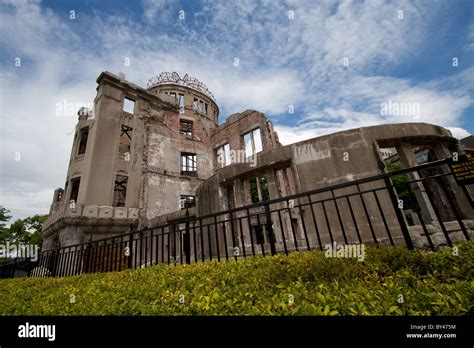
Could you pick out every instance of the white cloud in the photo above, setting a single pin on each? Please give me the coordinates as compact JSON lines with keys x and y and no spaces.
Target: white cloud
{"x":459,"y":133}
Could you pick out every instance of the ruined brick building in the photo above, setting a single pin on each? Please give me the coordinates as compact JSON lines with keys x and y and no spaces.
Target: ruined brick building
{"x":142,"y":153}
{"x":144,"y":156}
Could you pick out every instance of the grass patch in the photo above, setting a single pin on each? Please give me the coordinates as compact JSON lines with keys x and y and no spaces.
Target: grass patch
{"x":438,"y":283}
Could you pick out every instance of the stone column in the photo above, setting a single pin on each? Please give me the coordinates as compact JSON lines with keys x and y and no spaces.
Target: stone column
{"x":408,"y":159}
{"x":273,"y":193}
{"x":239,"y":197}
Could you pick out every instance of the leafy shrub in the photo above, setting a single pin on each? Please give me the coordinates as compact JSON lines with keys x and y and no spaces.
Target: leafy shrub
{"x":391,"y":281}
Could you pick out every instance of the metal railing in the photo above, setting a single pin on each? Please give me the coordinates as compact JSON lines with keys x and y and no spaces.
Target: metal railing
{"x":426,"y":209}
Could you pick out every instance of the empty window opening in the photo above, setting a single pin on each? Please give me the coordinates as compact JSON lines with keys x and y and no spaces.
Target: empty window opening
{"x":258,"y":189}
{"x":128,"y":105}
{"x":84,"y":134}
{"x":173,"y":95}
{"x":187,"y":202}
{"x":195,"y":104}
{"x":201,"y":106}
{"x":188,"y":164}
{"x":205,"y":108}
{"x":120,"y":190}
{"x":181,"y":100}
{"x":223,"y":156}
{"x":186,"y":127}
{"x":252,"y":142}
{"x":74,"y":189}
{"x":125,"y":139}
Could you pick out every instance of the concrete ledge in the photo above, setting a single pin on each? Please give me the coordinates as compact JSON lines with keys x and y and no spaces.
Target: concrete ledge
{"x":90,"y":210}
{"x":120,"y":213}
{"x":133,"y":213}
{"x":73,"y":212}
{"x":106,"y":211}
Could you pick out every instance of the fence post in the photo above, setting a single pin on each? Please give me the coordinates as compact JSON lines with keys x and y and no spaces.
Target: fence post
{"x":187,"y":239}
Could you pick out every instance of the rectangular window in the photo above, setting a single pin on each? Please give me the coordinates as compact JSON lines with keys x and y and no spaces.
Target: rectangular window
{"x":186,"y":127}
{"x":84,"y":134}
{"x":128,"y":105}
{"x":74,"y":189}
{"x":125,"y":140}
{"x":252,"y":142}
{"x":186,"y":202}
{"x":205,"y":108}
{"x":188,"y":164}
{"x":195,"y":104}
{"x":258,"y":189}
{"x":223,"y":155}
{"x":120,"y":190}
{"x":201,"y":106}
{"x":181,"y":100}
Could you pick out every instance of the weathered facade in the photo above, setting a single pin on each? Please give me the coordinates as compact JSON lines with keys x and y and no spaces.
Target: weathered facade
{"x":140,"y":155}
{"x":145,"y":155}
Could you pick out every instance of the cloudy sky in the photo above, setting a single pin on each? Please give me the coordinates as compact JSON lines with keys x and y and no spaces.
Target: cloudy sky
{"x":313,"y":67}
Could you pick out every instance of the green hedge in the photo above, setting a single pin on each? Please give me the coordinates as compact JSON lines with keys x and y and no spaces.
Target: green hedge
{"x":391,"y":281}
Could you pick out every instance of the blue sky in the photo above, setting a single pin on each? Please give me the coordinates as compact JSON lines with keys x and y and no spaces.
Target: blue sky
{"x":334,"y":62}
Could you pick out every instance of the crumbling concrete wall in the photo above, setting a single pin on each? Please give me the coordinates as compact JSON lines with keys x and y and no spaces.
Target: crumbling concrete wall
{"x":321,"y":162}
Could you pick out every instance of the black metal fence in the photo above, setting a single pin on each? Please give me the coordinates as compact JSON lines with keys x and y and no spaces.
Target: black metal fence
{"x":417,"y":207}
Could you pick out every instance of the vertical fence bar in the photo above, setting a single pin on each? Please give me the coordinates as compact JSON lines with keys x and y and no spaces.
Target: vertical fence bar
{"x":328,"y":225}
{"x":250,"y":231}
{"x":316,"y":229}
{"x":234,"y":235}
{"x":146,"y":248}
{"x":282,"y":230}
{"x":168,"y":240}
{"x":174,"y":243}
{"x":383,"y":218}
{"x":242,"y":237}
{"x":271,"y":235}
{"x":162,"y":245}
{"x":130,"y":247}
{"x":263,"y":235}
{"x":156,"y":259}
{"x":399,"y":213}
{"x":308,"y":247}
{"x":295,"y":238}
{"x":225,"y":241}
{"x":367,"y":215}
{"x":354,"y":219}
{"x":343,"y":231}
{"x":181,"y":238}
{"x":201,"y":233}
{"x":194,"y":243}
{"x":217,"y":238}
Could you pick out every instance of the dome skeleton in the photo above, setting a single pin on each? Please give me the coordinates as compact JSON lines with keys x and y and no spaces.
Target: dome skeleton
{"x":174,"y":78}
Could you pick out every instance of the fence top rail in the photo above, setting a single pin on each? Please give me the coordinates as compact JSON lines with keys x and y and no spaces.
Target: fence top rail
{"x":381,"y":176}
